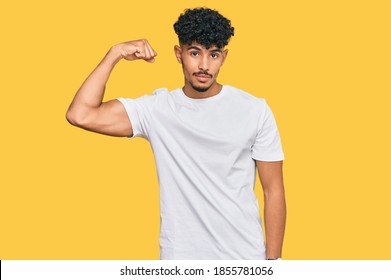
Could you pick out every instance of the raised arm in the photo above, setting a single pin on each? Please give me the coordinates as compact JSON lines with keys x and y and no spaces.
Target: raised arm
{"x":270,"y":174}
{"x":87,"y":110}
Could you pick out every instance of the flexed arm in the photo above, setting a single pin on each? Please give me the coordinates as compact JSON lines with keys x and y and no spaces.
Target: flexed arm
{"x":87,"y":110}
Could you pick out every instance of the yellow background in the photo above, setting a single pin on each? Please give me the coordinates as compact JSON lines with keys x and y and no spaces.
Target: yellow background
{"x":323,"y":67}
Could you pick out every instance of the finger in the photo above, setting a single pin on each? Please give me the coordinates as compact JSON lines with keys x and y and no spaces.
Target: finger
{"x":140,"y":53}
{"x":151,"y":52}
{"x":151,"y":60}
{"x":148,"y":53}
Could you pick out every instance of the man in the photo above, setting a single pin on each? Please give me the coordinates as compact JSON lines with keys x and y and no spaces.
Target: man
{"x":207,"y":138}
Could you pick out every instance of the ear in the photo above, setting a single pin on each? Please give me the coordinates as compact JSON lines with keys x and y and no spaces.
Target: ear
{"x":178,"y":53}
{"x":225,"y":53}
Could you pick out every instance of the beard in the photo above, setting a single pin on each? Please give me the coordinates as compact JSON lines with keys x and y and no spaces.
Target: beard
{"x":200,"y":89}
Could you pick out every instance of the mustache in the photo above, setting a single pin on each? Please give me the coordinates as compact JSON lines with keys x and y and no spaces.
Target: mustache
{"x":203,"y":73}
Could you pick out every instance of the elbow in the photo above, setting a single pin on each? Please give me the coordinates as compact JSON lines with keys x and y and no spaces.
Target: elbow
{"x":71,"y":118}
{"x":75,"y":119}
{"x":274,"y":191}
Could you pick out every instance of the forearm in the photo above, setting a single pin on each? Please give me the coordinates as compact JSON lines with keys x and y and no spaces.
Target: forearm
{"x":275,"y":217}
{"x":90,"y":94}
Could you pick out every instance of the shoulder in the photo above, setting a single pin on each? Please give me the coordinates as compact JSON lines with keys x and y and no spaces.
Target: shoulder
{"x":160,"y":91}
{"x":241,"y":96}
{"x":165,"y":93}
{"x":156,"y":96}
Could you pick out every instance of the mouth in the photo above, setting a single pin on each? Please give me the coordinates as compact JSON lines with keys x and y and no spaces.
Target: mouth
{"x":202,"y":77}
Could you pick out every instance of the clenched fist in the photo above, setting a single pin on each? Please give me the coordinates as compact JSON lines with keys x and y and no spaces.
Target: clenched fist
{"x":138,"y":49}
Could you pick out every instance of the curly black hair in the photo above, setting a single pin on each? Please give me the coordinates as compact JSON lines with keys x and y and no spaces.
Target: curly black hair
{"x":204,"y":26}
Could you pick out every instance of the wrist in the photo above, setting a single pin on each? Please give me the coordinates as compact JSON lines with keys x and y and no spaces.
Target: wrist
{"x":114,"y":55}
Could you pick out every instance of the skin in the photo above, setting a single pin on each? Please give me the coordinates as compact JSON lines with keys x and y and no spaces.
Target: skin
{"x":201,"y":67}
{"x":270,"y":175}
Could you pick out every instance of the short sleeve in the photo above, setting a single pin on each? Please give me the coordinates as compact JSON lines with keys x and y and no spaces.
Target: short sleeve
{"x":139,"y":113}
{"x":267,"y":145}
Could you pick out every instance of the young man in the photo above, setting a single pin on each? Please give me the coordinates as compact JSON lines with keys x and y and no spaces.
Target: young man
{"x":207,"y":138}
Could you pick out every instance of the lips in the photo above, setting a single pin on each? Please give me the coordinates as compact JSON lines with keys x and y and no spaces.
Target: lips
{"x":202,"y":77}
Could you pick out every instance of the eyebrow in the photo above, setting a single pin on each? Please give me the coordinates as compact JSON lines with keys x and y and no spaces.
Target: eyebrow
{"x":198,"y":49}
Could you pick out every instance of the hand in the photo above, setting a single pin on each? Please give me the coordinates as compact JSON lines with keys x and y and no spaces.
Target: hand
{"x":139,"y":49}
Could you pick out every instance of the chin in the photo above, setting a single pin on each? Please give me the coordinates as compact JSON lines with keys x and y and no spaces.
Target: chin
{"x":200,"y":88}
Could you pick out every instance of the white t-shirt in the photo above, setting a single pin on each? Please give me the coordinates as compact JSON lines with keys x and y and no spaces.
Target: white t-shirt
{"x":205,"y":152}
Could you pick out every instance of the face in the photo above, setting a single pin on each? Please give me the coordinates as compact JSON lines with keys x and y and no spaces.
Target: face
{"x":200,"y":66}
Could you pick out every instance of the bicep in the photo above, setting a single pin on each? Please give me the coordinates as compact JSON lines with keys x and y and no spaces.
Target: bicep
{"x":110,"y":118}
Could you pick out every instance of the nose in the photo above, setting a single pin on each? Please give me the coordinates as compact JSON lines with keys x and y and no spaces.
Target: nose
{"x":204,"y":63}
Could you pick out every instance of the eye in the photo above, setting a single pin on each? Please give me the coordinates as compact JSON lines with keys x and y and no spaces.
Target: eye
{"x":194,"y":54}
{"x":214,"y":55}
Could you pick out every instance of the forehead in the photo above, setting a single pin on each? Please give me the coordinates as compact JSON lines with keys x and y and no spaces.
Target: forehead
{"x":198,"y":46}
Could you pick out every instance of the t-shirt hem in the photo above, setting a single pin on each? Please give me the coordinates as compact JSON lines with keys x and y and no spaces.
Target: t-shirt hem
{"x":271,"y":158}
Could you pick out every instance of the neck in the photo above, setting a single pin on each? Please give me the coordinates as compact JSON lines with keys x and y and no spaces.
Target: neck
{"x":193,"y":93}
